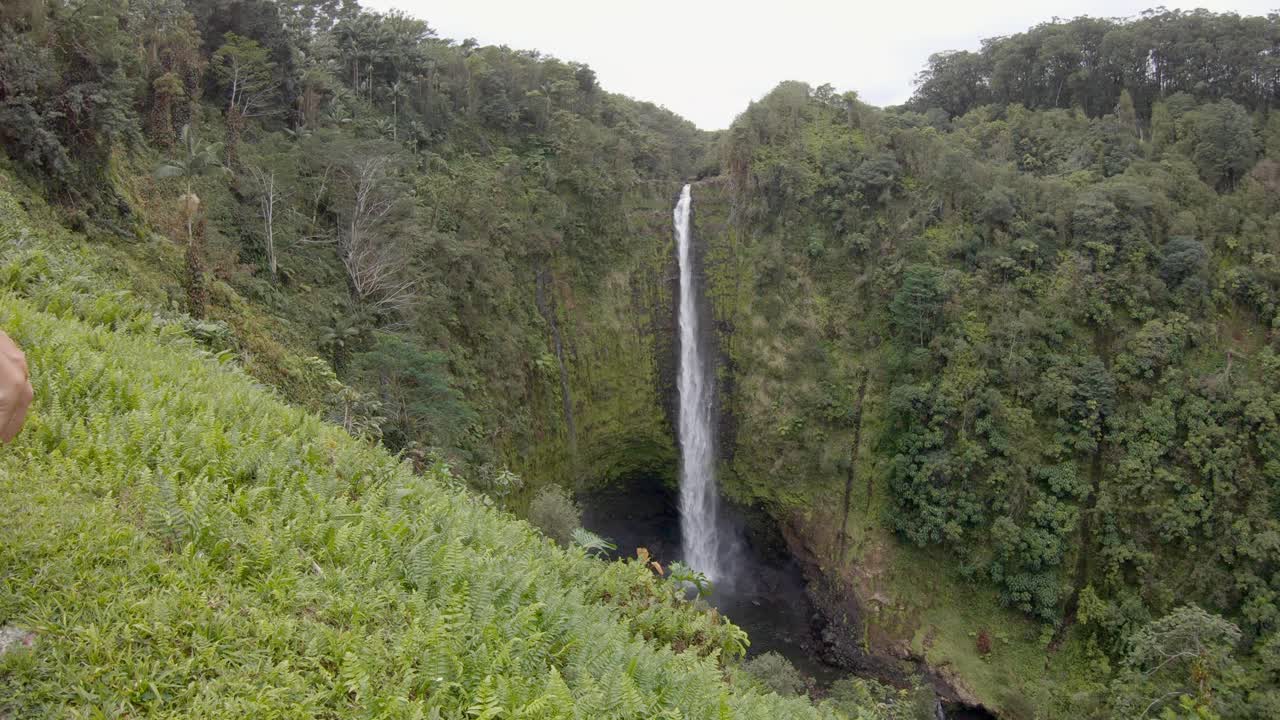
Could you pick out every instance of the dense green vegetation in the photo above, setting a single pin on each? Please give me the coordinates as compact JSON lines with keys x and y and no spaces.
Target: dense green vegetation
{"x":1004,"y":361}
{"x":1087,"y":63}
{"x":342,"y":183}
{"x":1064,"y":326}
{"x":195,"y":547}
{"x":184,"y":544}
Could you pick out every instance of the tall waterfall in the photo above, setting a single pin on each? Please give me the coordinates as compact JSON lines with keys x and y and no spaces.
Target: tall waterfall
{"x":698,"y":496}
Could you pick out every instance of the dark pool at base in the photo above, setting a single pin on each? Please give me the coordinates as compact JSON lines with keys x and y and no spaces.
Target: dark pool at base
{"x":764,"y":591}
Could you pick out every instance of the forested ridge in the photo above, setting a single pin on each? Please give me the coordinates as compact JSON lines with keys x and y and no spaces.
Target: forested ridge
{"x":1087,"y":63}
{"x":1063,"y":316}
{"x":1004,"y":362}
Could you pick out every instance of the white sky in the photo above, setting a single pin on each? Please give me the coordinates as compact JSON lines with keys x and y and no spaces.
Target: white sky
{"x":707,"y":60}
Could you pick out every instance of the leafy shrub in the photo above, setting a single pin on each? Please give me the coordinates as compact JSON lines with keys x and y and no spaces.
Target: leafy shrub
{"x":865,"y":698}
{"x":555,"y":513}
{"x":776,"y":673}
{"x":417,"y":393}
{"x":1183,"y":257}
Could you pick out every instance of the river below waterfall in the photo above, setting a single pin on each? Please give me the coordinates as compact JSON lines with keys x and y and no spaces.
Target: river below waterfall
{"x":763,"y":592}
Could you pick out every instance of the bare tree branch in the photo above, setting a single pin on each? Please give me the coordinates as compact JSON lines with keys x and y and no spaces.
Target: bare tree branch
{"x":269,"y":195}
{"x":375,"y":262}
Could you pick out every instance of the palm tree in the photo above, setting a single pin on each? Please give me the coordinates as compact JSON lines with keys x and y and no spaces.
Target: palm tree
{"x":339,"y":337}
{"x":397,"y":90}
{"x":196,"y":160}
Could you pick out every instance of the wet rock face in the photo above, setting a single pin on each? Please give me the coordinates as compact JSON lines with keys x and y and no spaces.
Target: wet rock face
{"x":838,"y":625}
{"x":842,"y":634}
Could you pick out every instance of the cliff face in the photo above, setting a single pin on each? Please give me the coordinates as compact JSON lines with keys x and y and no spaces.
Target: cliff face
{"x":786,"y":350}
{"x":617,"y":356}
{"x":802,"y":418}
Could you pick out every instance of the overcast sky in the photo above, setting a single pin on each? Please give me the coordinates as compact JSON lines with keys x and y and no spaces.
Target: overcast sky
{"x":707,"y":59}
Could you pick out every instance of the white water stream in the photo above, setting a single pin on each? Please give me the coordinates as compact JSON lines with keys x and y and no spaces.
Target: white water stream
{"x":698,"y":495}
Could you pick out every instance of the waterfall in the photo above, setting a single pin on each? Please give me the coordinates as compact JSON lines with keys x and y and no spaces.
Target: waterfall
{"x":698,"y":496}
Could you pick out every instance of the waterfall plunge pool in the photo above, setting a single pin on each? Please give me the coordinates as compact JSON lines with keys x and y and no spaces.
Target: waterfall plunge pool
{"x":765,"y":593}
{"x":763,"y":590}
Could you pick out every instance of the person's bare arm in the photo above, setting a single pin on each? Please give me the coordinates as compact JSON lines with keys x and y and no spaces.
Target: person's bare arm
{"x":15,"y":389}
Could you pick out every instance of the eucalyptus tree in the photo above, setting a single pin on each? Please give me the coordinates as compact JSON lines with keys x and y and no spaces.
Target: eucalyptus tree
{"x":271,"y":196}
{"x":245,"y":75}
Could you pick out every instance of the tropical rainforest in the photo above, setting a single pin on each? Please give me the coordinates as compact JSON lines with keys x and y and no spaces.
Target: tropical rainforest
{"x":330,"y":319}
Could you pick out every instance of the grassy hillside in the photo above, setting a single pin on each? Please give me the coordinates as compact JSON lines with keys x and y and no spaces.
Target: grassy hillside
{"x":184,"y":544}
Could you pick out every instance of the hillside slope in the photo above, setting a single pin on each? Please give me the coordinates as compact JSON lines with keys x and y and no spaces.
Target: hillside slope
{"x":184,"y":544}
{"x":471,"y":237}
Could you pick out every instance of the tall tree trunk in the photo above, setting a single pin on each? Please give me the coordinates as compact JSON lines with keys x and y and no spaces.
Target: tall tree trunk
{"x":161,"y":120}
{"x":271,"y":234}
{"x":235,"y":125}
{"x":185,"y":110}
{"x":197,"y":293}
{"x":309,"y":106}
